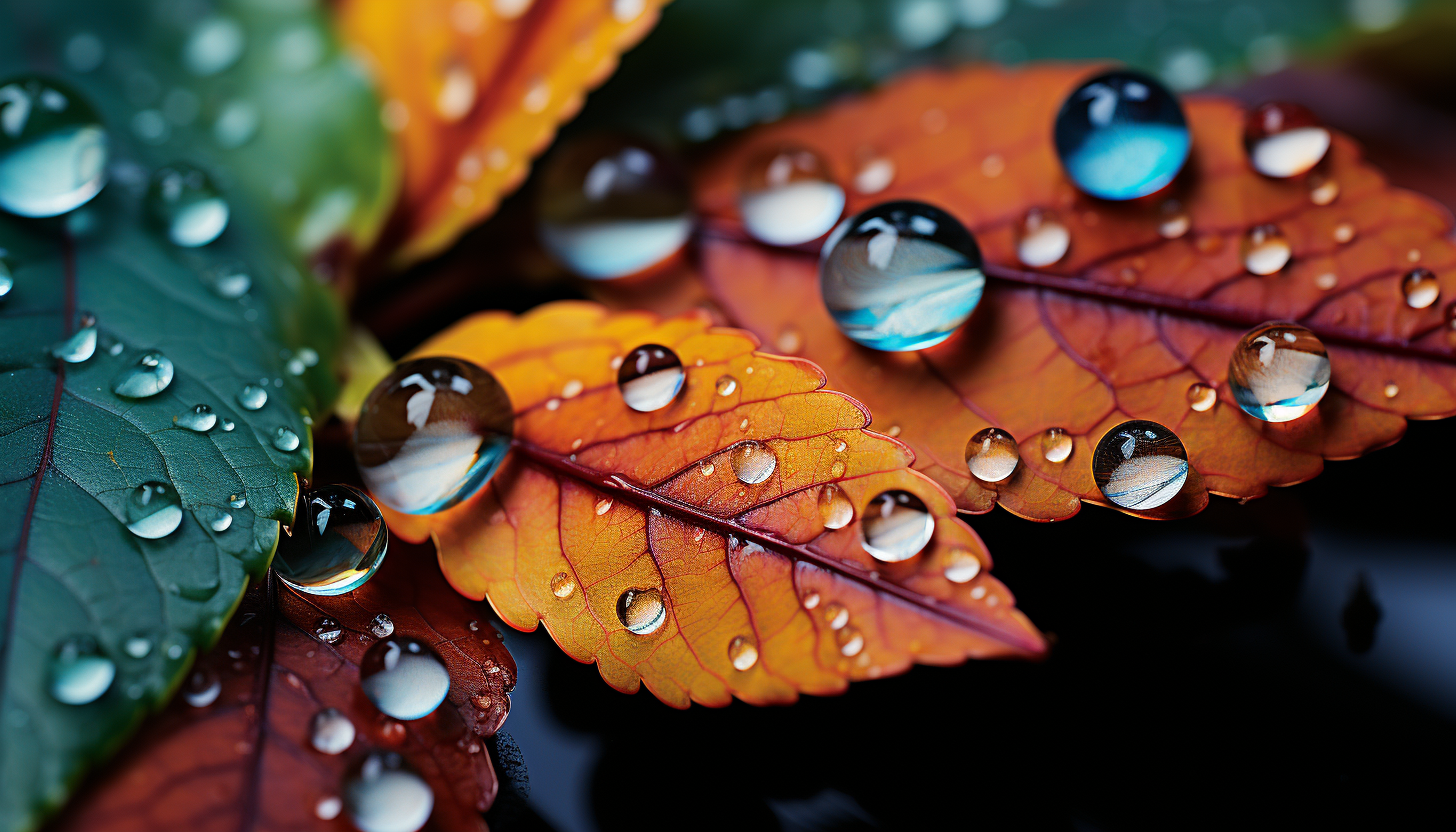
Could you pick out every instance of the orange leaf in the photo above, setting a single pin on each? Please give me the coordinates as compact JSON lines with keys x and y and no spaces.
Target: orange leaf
{"x":762,"y":601}
{"x":241,"y":756}
{"x":474,"y":89}
{"x":1129,"y":319}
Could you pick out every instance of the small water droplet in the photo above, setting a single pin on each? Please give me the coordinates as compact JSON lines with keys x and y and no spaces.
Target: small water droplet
{"x":753,"y":462}
{"x":381,"y":625}
{"x":1116,"y":117}
{"x":1420,"y":288}
{"x":150,"y":375}
{"x":790,"y":341}
{"x":284,"y":439}
{"x":1326,"y":281}
{"x":706,"y":468}
{"x":403,"y":677}
{"x":1322,"y":189}
{"x":641,"y":611}
{"x":1056,"y":445}
{"x":80,"y":673}
{"x":331,"y":731}
{"x":992,"y":455}
{"x":213,"y":45}
{"x":200,"y":418}
{"x":153,"y":510}
{"x":53,"y":148}
{"x":1344,"y":232}
{"x":603,"y":506}
{"x":237,"y":500}
{"x":1174,"y":220}
{"x":726,"y":385}
{"x":1284,"y":139}
{"x":7,"y":280}
{"x":850,"y":641}
{"x":835,"y":615}
{"x":835,"y":509}
{"x":1265,"y":249}
{"x":328,"y":808}
{"x":227,"y":425}
{"x":382,"y":794}
{"x":1278,"y":372}
{"x":214,"y":518}
{"x":138,"y":646}
{"x":82,"y":343}
{"x":1140,"y":465}
{"x":563,"y":585}
{"x":1201,"y":397}
{"x":185,"y":203}
{"x":810,"y":600}
{"x":789,"y":197}
{"x":328,"y":631}
{"x":1391,"y":390}
{"x":202,"y":688}
{"x":896,"y":526}
{"x":743,"y":653}
{"x":337,"y":541}
{"x":1043,"y":239}
{"x":961,"y":566}
{"x":252,"y":397}
{"x":874,"y":175}
{"x":650,"y":378}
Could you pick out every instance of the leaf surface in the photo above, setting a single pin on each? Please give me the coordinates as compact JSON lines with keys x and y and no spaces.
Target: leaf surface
{"x":1129,"y":319}
{"x":476,"y":89}
{"x":608,"y":499}
{"x":246,"y":761}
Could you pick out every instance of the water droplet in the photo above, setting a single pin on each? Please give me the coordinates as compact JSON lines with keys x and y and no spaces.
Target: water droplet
{"x":610,"y":206}
{"x":835,"y":509}
{"x":790,"y":340}
{"x":337,"y":541}
{"x":753,"y":462}
{"x":992,"y":455}
{"x":1265,"y":249}
{"x":1391,"y":390}
{"x":1043,"y":239}
{"x":213,"y":45}
{"x":1174,"y":220}
{"x":562,"y":585}
{"x":237,"y":500}
{"x":726,"y":385}
{"x":641,"y":611}
{"x":603,"y":506}
{"x":403,"y":677}
{"x":1322,"y":189}
{"x":1278,"y":372}
{"x":1121,"y":135}
{"x":1201,"y":397}
{"x":251,"y":397}
{"x":328,"y":808}
{"x":214,"y":518}
{"x":432,"y":433}
{"x":382,"y":794}
{"x":1056,"y":445}
{"x":1344,"y":232}
{"x":789,"y":197}
{"x":961,"y":566}
{"x":1284,"y":139}
{"x":328,"y":631}
{"x":284,"y":439}
{"x":874,"y":175}
{"x":79,"y":672}
{"x":896,"y":525}
{"x":331,"y":732}
{"x":150,"y":375}
{"x":900,"y":276}
{"x":650,"y":377}
{"x":82,"y":343}
{"x":184,"y":202}
{"x":199,"y":418}
{"x":227,"y":425}
{"x":706,"y":468}
{"x":835,"y":615}
{"x":201,"y":688}
{"x":1326,"y":281}
{"x":743,"y":653}
{"x":1420,"y":288}
{"x":381,"y":625}
{"x":153,"y":510}
{"x":850,"y":641}
{"x":7,"y":281}
{"x":1140,"y":465}
{"x":810,"y":600}
{"x":138,"y":646}
{"x":53,"y":149}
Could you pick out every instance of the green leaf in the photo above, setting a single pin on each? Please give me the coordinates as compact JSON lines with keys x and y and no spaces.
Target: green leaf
{"x":314,"y":177}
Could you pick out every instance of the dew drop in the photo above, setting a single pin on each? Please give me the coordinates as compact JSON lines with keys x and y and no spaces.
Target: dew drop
{"x":82,"y":343}
{"x":1043,"y":239}
{"x":328,"y":631}
{"x":1344,"y":232}
{"x":1391,"y":390}
{"x":850,"y":641}
{"x":835,"y":615}
{"x":1121,"y":135}
{"x":153,"y":510}
{"x":200,"y":418}
{"x":789,"y":197}
{"x":789,"y":341}
{"x":201,"y":688}
{"x":810,"y":600}
{"x":381,"y":625}
{"x":227,"y":425}
{"x":840,"y":446}
{"x":1322,"y":189}
{"x":331,"y":732}
{"x":1420,"y":288}
{"x":726,"y":385}
{"x":150,"y":375}
{"x":214,"y":518}
{"x":1056,"y":445}
{"x":1284,"y":139}
{"x":237,"y":500}
{"x":874,"y":175}
{"x":1140,"y":465}
{"x":563,"y":585}
{"x":252,"y":397}
{"x":1174,"y":220}
{"x":835,"y":509}
{"x":743,"y":653}
{"x":337,"y":541}
{"x":284,"y":439}
{"x":328,"y":808}
{"x":1326,"y":281}
{"x":896,"y":525}
{"x":213,"y":45}
{"x":650,"y":378}
{"x":79,"y":672}
{"x":185,"y":203}
{"x":992,"y":455}
{"x":641,"y":611}
{"x":432,"y":433}
{"x":1201,"y":397}
{"x":1265,"y":249}
{"x":1278,"y":372}
{"x":382,"y":794}
{"x":7,"y":280}
{"x":961,"y":566}
{"x":138,"y":646}
{"x":403,"y":677}
{"x":603,"y":506}
{"x":53,"y":149}
{"x":753,"y":462}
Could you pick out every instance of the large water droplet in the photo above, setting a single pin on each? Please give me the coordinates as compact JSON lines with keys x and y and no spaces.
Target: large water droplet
{"x":641,"y":611}
{"x":650,"y":377}
{"x":202,"y":688}
{"x":79,"y":672}
{"x":1056,"y":445}
{"x":284,"y":439}
{"x":432,"y":433}
{"x":1201,"y":397}
{"x":1265,"y":249}
{"x":743,"y":653}
{"x":381,"y":625}
{"x":1043,"y":239}
{"x":835,"y":509}
{"x":186,"y":204}
{"x":150,"y":375}
{"x":901,"y":276}
{"x":992,"y":455}
{"x":1284,"y":139}
{"x":328,"y":631}
{"x":331,"y":732}
{"x":753,"y":462}
{"x":383,"y":795}
{"x":82,"y":343}
{"x":1420,"y":288}
{"x":153,"y":510}
{"x":252,"y":397}
{"x":610,"y":206}
{"x":403,"y":677}
{"x":896,"y":525}
{"x":199,"y":418}
{"x":789,"y":197}
{"x":337,"y":541}
{"x":1121,"y":135}
{"x":1140,"y":465}
{"x":562,"y":585}
{"x":53,"y":149}
{"x":1278,"y":372}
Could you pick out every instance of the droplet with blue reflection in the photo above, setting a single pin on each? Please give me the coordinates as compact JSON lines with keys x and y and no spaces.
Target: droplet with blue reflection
{"x":53,"y":149}
{"x":1121,"y":135}
{"x":337,"y":541}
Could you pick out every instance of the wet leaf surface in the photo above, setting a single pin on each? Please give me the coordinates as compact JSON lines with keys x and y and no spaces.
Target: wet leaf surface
{"x":715,"y":547}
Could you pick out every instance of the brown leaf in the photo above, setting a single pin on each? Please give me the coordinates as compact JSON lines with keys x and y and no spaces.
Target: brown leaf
{"x":244,"y":759}
{"x":598,"y":502}
{"x":1128,"y":320}
{"x":475,"y":89}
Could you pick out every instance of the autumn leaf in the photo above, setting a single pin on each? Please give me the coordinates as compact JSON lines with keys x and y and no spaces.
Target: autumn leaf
{"x":240,"y":748}
{"x":1148,"y":301}
{"x":475,"y":89}
{"x":717,"y":546}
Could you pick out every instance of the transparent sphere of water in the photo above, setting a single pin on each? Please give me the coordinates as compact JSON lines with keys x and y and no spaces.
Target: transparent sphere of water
{"x":642,"y":611}
{"x":1278,"y":372}
{"x":53,"y":149}
{"x":900,"y":276}
{"x":337,"y":541}
{"x":1121,"y":135}
{"x":896,"y":526}
{"x":80,"y":673}
{"x":610,"y":206}
{"x":153,"y":510}
{"x":1140,"y":465}
{"x":404,"y":677}
{"x":789,"y":197}
{"x":650,"y":377}
{"x":183,"y":201}
{"x":432,"y":433}
{"x":382,"y":794}
{"x":1284,"y":139}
